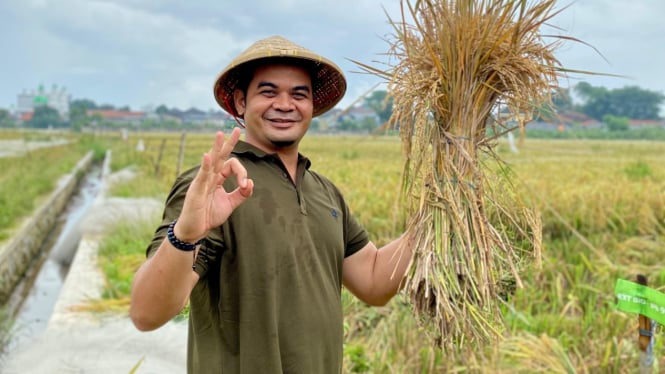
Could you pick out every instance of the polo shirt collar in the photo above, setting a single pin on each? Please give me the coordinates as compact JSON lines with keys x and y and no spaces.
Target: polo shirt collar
{"x":246,"y":149}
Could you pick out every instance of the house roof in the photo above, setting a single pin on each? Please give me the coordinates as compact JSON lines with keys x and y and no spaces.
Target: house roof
{"x":570,"y":117}
{"x":26,"y":116}
{"x":116,"y":114}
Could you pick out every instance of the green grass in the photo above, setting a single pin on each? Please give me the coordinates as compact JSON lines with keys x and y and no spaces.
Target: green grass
{"x":602,"y":205}
{"x":30,"y":177}
{"x":121,"y":254}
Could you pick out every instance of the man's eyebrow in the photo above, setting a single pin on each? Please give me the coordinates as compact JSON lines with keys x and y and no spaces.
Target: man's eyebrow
{"x":272,"y":85}
{"x":301,"y":88}
{"x":266,"y":84}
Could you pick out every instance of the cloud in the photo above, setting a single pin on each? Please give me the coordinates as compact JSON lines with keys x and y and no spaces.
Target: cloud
{"x":627,"y":38}
{"x":139,"y":52}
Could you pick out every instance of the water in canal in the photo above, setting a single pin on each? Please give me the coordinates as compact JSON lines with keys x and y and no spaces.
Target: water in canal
{"x":34,"y":298}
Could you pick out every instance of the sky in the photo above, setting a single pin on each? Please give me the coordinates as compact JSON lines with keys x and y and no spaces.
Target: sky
{"x":144,"y":53}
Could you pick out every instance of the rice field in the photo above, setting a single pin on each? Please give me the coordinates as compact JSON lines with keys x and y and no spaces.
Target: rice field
{"x":602,"y":206}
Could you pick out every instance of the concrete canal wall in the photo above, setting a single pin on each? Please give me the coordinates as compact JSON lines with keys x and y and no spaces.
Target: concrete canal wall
{"x":19,"y":252}
{"x":77,"y":340}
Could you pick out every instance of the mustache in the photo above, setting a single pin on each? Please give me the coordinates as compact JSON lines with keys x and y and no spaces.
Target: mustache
{"x":281,"y":116}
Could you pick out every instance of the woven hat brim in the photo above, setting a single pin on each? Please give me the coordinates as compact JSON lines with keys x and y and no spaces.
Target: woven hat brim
{"x":329,"y":83}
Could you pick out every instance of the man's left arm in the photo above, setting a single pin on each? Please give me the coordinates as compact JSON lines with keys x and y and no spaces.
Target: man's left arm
{"x":374,"y":275}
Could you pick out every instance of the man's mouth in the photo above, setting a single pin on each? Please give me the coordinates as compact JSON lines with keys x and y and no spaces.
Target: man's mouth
{"x":282,"y":122}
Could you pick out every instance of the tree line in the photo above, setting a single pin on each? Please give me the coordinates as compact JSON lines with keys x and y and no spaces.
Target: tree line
{"x":610,"y":106}
{"x":595,"y":102}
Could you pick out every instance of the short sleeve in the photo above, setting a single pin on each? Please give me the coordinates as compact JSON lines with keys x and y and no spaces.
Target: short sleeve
{"x":357,"y":236}
{"x":172,"y":209}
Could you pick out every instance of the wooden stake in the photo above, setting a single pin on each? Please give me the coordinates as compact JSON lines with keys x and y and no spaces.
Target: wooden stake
{"x":644,"y":338}
{"x":159,"y":157}
{"x":181,"y":153}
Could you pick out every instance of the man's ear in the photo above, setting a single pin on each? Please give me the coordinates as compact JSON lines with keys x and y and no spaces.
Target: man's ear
{"x":239,"y":102}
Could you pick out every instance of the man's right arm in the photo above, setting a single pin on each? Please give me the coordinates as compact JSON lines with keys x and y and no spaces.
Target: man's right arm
{"x":161,"y":287}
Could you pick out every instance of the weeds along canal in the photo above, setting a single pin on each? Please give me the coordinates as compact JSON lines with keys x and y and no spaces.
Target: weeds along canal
{"x":33,"y":300}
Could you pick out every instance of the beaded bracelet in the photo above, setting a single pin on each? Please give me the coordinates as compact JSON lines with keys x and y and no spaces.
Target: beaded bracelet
{"x":179,"y":244}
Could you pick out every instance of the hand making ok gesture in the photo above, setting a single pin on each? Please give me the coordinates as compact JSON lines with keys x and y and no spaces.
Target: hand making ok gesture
{"x":207,"y":205}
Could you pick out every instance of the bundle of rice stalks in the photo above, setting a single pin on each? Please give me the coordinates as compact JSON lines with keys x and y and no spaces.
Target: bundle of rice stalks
{"x":455,"y":67}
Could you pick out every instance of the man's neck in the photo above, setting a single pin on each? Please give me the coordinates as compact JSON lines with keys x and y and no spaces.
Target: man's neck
{"x":288,"y":154}
{"x":290,"y":160}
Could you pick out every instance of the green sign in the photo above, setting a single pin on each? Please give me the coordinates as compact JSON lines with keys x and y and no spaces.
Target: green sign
{"x":636,"y":298}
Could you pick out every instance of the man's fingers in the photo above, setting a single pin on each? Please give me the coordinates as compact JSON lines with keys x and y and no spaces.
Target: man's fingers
{"x":212,"y":179}
{"x":248,"y":189}
{"x":233,"y":167}
{"x":204,"y":181}
{"x":228,"y":145}
{"x":223,"y":147}
{"x":216,"y":166}
{"x":237,"y":196}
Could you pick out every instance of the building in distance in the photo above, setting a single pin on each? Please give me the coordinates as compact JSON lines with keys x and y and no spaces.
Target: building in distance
{"x":57,"y":98}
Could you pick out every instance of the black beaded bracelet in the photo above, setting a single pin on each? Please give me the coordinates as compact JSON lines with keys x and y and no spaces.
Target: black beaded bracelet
{"x":179,"y":244}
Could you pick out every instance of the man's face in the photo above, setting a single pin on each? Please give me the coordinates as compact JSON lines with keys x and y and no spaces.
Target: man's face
{"x":277,"y":108}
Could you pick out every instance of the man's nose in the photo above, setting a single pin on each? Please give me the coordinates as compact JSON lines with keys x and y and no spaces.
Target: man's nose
{"x":283,"y":102}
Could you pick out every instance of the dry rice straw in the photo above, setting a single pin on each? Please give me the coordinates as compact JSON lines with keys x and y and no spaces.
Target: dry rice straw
{"x":456,"y":64}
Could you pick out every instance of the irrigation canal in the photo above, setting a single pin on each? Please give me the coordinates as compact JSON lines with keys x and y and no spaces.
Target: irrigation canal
{"x":32,"y":302}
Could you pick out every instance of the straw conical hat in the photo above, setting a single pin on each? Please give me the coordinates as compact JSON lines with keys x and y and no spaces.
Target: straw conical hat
{"x":328,"y":80}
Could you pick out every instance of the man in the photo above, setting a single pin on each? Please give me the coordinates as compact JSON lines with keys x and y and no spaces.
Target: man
{"x":262,"y":266}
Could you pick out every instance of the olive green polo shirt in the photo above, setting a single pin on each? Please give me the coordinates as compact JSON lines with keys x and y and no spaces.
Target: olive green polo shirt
{"x":269,"y":295}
